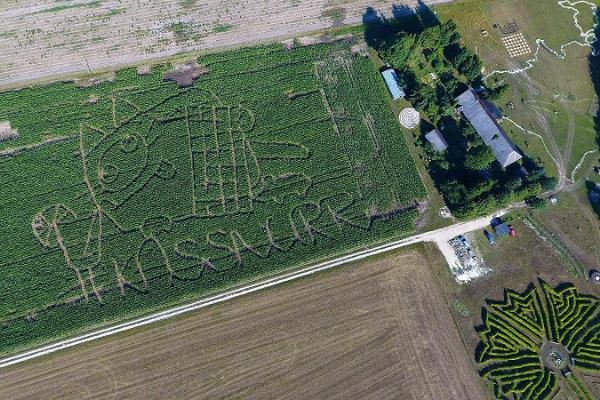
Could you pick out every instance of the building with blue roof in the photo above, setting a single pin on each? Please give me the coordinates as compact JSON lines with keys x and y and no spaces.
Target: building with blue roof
{"x":391,"y":80}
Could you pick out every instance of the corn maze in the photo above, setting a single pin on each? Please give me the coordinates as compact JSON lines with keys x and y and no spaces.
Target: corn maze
{"x":542,"y":344}
{"x":133,"y":194}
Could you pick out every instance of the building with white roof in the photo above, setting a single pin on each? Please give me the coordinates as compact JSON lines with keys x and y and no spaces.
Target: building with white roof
{"x":391,"y":80}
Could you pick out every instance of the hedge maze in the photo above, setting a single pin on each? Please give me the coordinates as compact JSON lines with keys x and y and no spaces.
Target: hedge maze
{"x":543,"y":343}
{"x":134,"y":194}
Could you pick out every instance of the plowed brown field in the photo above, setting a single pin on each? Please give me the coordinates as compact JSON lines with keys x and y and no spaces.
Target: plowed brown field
{"x":49,"y":38}
{"x":375,"y":330}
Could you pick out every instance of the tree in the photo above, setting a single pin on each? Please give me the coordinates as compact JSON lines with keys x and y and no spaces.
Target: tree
{"x":454,"y":192}
{"x":548,"y":183}
{"x":479,"y":157}
{"x":399,"y":49}
{"x":480,"y":189}
{"x":464,"y":61}
{"x":513,"y":184}
{"x":537,"y":203}
{"x":471,"y":67}
{"x":498,"y":93}
{"x":431,"y":38}
{"x":448,"y":33}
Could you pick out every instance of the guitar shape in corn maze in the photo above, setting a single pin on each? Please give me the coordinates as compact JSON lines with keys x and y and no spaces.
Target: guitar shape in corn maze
{"x":542,"y":344}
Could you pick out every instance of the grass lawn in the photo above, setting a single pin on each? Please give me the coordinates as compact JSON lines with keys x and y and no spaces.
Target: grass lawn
{"x":554,"y":98}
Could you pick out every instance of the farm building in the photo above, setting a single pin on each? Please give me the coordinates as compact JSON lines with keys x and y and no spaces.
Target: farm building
{"x":487,"y":127}
{"x":391,"y":80}
{"x":500,"y":227}
{"x":437,"y":140}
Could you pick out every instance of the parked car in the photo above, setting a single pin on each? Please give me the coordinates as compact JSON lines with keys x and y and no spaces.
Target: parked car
{"x":489,"y":237}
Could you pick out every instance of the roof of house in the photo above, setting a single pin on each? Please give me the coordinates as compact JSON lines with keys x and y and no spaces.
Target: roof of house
{"x":502,"y":230}
{"x":391,"y":80}
{"x":489,"y":130}
{"x":437,"y":140}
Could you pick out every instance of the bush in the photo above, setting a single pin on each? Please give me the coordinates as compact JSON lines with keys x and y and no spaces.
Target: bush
{"x":537,"y":203}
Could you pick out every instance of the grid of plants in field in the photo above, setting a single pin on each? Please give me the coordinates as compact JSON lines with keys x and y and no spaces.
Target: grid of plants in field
{"x":155,"y":193}
{"x":541,"y":344}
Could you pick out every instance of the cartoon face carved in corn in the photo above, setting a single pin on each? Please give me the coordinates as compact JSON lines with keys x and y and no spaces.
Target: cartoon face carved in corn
{"x":154,"y":150}
{"x":186,"y":156}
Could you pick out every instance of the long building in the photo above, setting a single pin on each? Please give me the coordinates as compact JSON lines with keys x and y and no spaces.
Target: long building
{"x":487,"y":127}
{"x":391,"y":80}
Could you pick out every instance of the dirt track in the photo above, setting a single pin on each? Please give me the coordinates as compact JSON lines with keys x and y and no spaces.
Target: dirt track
{"x":378,"y":330}
{"x":49,"y":38}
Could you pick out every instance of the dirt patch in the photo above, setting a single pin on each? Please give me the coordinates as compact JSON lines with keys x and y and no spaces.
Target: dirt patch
{"x":379,"y":330}
{"x":144,"y":70}
{"x":7,"y":132}
{"x":317,"y":39}
{"x":360,"y":49}
{"x":311,"y":40}
{"x":95,"y":80}
{"x":185,"y":74}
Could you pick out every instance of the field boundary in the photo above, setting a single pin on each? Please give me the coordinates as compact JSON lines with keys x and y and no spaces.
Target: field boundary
{"x":431,"y":236}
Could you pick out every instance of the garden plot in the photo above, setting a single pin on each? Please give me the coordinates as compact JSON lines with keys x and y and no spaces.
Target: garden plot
{"x":274,"y":158}
{"x":516,"y":45}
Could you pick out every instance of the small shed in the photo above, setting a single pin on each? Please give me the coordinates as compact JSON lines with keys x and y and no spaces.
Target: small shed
{"x":501,"y":230}
{"x":391,"y":80}
{"x":437,"y":140}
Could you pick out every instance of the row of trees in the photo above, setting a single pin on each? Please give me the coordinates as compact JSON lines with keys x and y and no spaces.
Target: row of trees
{"x":467,"y":174}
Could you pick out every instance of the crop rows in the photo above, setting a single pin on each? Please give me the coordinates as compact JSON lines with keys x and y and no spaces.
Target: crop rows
{"x":158,"y":193}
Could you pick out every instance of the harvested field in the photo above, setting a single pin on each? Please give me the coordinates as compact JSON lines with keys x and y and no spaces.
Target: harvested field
{"x":379,"y":329}
{"x":43,"y":38}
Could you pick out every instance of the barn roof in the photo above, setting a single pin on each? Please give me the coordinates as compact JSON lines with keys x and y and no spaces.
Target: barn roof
{"x":491,"y":133}
{"x":437,"y":140}
{"x":391,"y":80}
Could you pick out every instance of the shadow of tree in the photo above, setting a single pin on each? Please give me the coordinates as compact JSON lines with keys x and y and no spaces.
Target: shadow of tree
{"x":378,"y":29}
{"x":594,"y":68}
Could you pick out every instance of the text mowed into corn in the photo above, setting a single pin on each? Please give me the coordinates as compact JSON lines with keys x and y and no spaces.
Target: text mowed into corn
{"x":136,"y":193}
